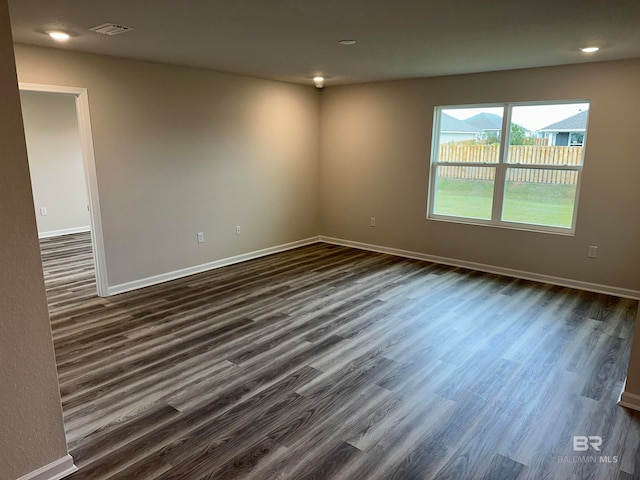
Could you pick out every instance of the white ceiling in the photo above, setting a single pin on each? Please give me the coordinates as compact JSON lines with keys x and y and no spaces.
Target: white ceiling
{"x":291,"y":40}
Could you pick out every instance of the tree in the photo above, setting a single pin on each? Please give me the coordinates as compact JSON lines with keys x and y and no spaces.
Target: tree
{"x":518,"y":136}
{"x":493,"y":138}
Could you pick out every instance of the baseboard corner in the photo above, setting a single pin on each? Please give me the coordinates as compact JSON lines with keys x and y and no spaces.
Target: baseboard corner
{"x":630,"y":400}
{"x":56,"y":470}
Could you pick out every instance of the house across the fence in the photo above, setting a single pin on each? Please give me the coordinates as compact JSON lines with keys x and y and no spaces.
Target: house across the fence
{"x":567,"y":132}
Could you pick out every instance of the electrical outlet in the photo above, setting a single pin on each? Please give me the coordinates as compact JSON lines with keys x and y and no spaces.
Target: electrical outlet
{"x":593,"y":251}
{"x":372,"y":222}
{"x":200,"y":237}
{"x":238,"y":230}
{"x":43,"y":211}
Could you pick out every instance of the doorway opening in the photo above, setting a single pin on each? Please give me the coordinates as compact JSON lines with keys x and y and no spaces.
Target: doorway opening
{"x":82,"y":188}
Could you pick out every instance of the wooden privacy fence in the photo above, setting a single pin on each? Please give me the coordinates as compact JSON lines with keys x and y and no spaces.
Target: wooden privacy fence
{"x":524,"y":154}
{"x":565,"y":177}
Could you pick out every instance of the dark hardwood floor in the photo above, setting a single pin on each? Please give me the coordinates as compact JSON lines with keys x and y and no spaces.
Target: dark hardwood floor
{"x":326,"y":362}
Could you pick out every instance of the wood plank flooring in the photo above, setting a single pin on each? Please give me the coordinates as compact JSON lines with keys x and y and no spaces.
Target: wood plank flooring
{"x":327,"y":362}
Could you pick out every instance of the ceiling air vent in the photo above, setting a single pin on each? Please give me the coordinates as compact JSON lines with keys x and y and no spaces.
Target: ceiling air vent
{"x":110,"y":29}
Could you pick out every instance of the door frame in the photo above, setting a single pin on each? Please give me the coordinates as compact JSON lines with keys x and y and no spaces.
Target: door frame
{"x":88,"y":160}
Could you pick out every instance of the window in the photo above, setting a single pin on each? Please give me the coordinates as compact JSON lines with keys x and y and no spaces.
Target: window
{"x":576,"y":139}
{"x":512,"y":165}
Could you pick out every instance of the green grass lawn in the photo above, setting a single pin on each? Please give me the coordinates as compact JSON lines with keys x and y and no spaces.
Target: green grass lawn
{"x":536,"y":203}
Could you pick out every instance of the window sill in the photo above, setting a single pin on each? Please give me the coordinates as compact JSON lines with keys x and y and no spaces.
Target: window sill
{"x":566,"y":232}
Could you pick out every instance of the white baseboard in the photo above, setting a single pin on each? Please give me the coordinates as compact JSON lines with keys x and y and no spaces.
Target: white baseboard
{"x":185,"y":272}
{"x":65,"y":231}
{"x":537,"y":277}
{"x":629,"y":400}
{"x":54,"y":471}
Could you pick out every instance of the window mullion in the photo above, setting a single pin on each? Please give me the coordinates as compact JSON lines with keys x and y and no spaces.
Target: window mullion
{"x":498,"y":186}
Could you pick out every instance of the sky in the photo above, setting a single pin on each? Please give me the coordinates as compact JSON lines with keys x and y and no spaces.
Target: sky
{"x":532,"y":117}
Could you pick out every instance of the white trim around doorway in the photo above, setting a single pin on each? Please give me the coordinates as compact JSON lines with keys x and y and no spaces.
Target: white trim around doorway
{"x":88,"y":158}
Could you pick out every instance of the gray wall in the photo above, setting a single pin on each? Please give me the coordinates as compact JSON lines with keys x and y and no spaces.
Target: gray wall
{"x":55,"y":161}
{"x":376,"y":142}
{"x":31,"y":429}
{"x":204,"y":151}
{"x":181,"y":150}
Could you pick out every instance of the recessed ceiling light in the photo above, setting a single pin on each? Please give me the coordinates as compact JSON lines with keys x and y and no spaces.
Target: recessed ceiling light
{"x":318,"y":81}
{"x":347,"y":42}
{"x":590,"y":49}
{"x":59,"y":36}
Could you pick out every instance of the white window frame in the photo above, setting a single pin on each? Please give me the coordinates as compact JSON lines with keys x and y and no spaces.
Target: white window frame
{"x":501,"y":168}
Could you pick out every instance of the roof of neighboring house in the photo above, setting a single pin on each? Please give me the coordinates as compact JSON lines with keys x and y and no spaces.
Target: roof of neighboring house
{"x":452,"y":124}
{"x":486,"y":121}
{"x":574,"y":123}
